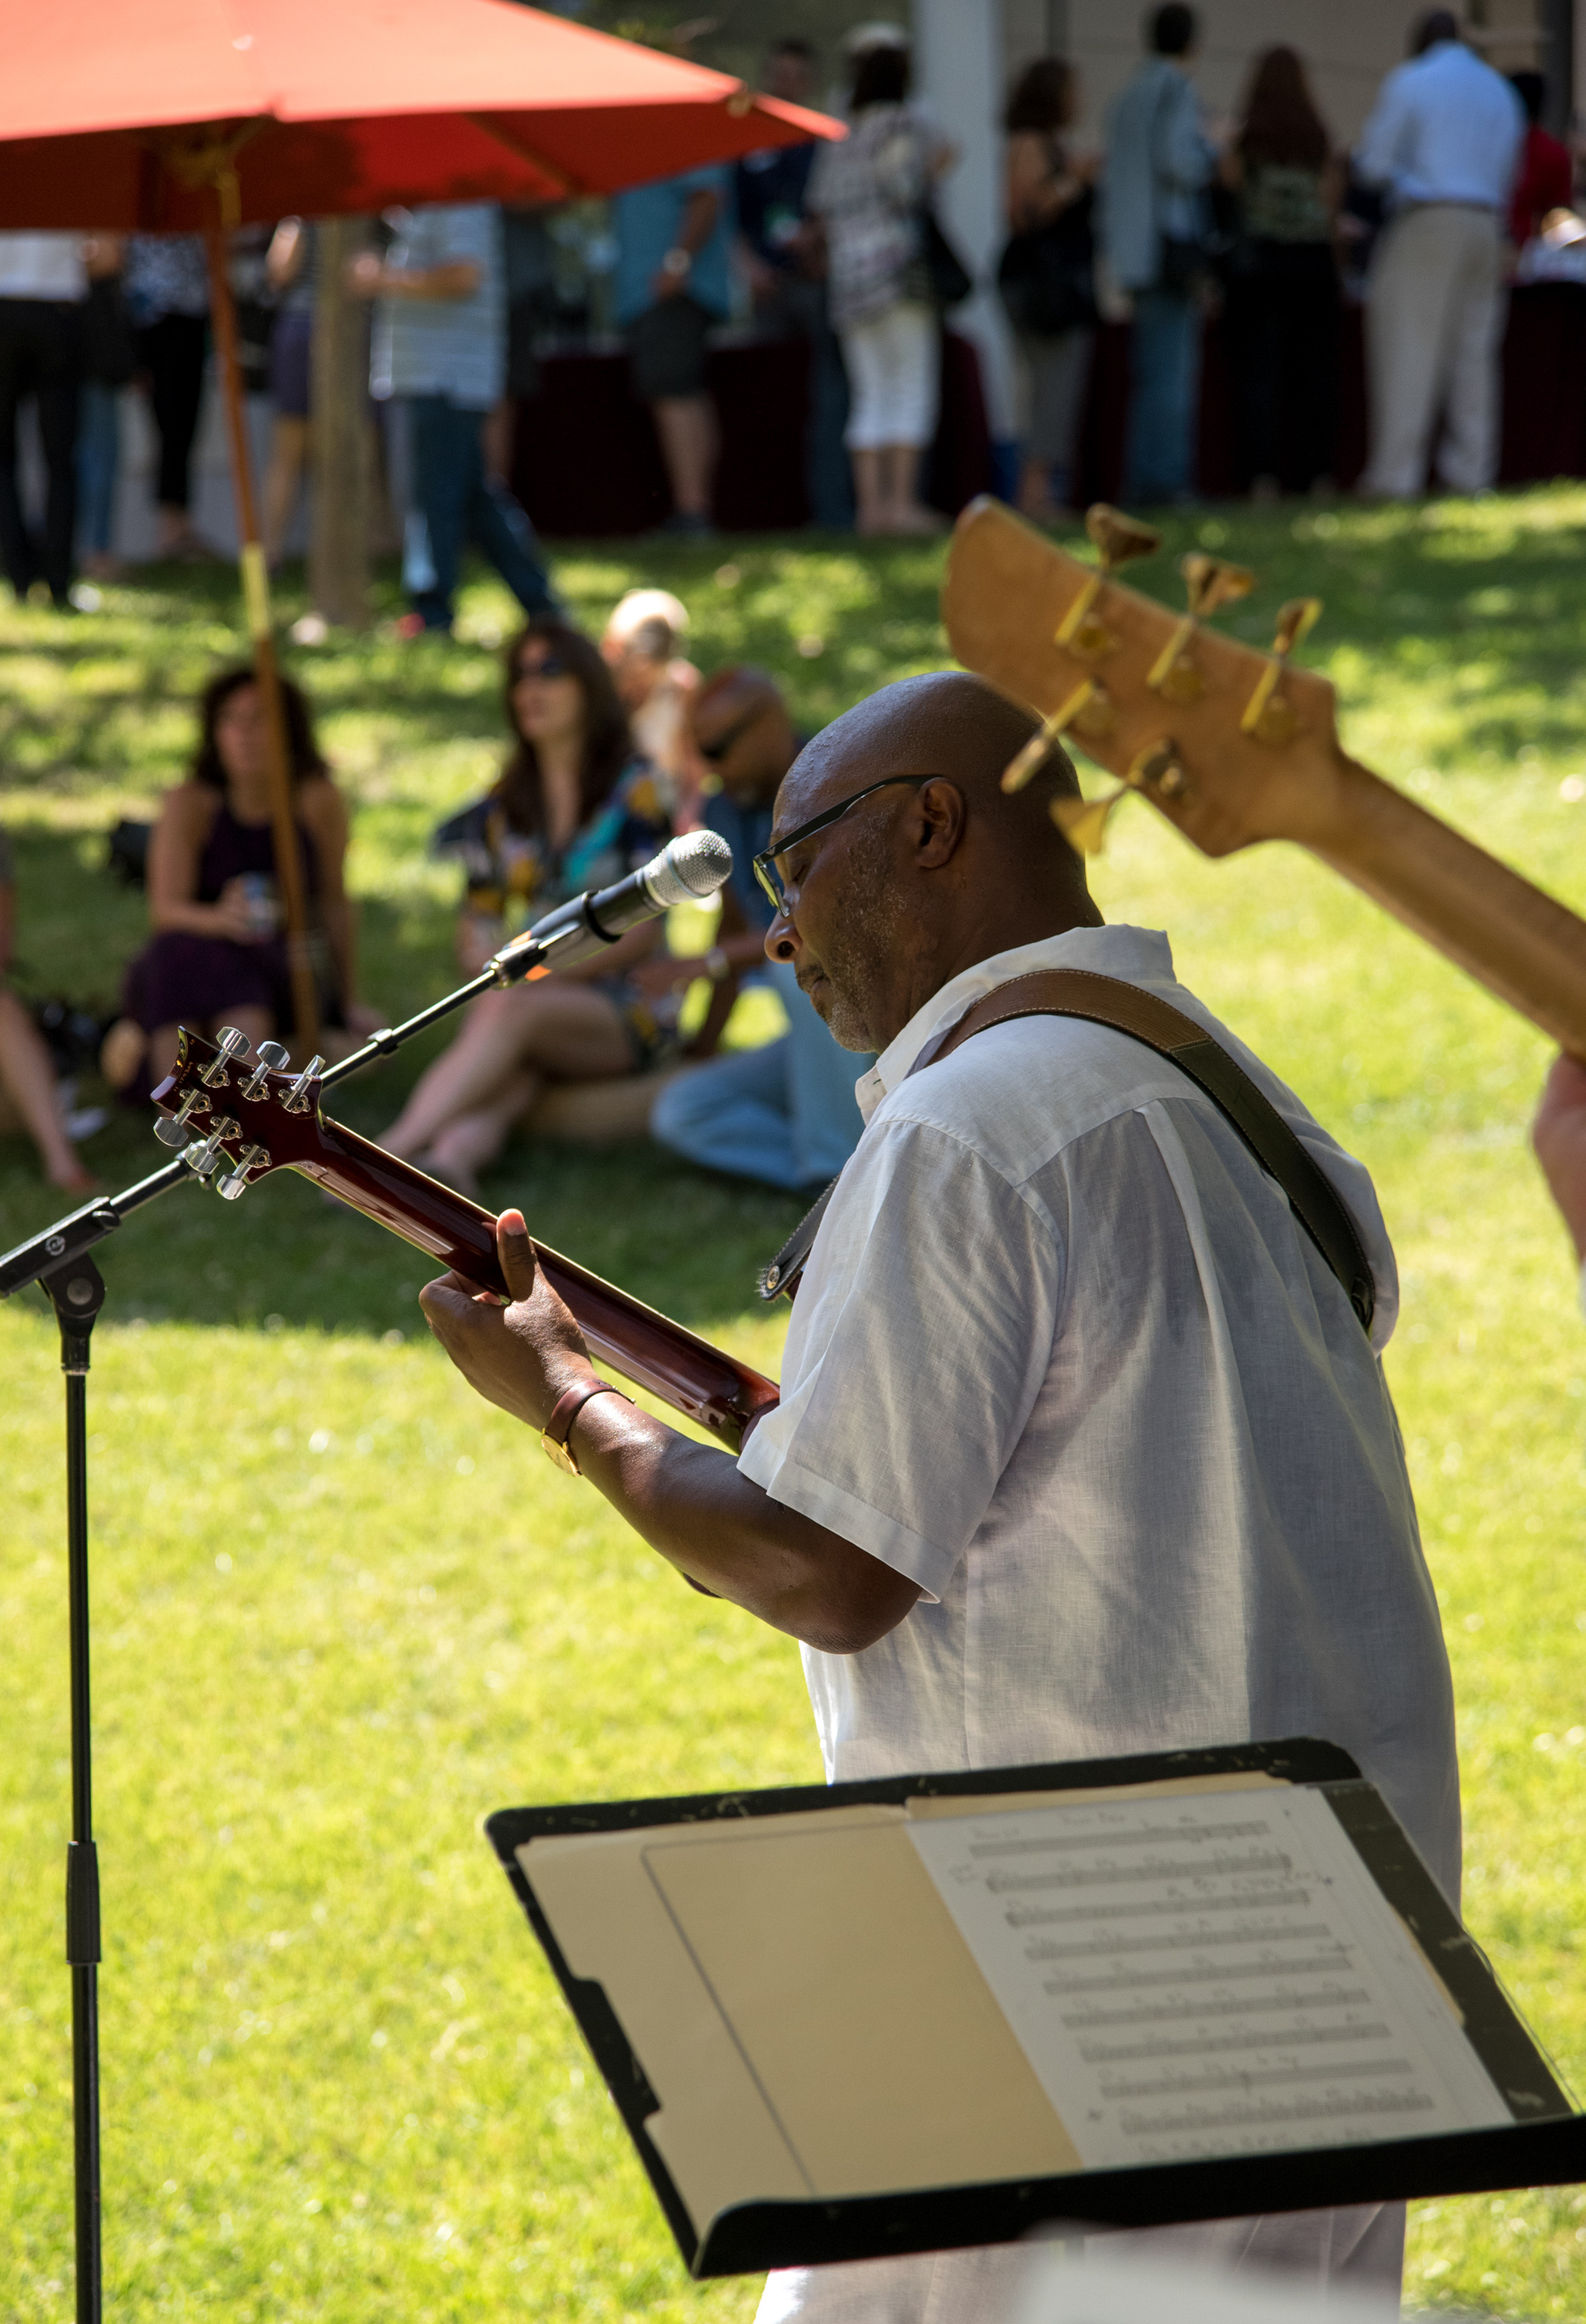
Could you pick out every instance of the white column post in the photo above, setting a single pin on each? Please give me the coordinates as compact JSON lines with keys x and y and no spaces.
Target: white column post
{"x":958,"y":60}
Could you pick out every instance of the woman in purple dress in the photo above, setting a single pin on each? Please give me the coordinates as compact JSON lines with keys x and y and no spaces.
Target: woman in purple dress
{"x":217,"y":956}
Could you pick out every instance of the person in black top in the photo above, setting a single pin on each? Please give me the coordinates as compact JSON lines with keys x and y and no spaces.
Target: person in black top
{"x":783,"y":260}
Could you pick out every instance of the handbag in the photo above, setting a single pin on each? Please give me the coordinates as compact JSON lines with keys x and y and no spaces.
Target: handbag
{"x":1045,"y":275}
{"x":948,"y":280}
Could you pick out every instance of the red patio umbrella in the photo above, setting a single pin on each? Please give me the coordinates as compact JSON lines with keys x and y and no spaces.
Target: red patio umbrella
{"x":166,"y":114}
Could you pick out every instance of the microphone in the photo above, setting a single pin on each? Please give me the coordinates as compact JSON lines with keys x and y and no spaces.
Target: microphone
{"x":685,"y":872}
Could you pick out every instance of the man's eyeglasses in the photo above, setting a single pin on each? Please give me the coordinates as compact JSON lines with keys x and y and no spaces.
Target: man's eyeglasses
{"x":768,"y":867}
{"x":553,"y":666}
{"x":714,"y":752}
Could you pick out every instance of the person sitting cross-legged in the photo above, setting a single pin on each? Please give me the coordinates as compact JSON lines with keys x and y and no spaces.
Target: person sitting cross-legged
{"x":784,"y":1113}
{"x":574,"y":809}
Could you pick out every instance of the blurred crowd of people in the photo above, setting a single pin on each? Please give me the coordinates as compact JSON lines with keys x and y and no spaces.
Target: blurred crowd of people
{"x":612,"y":746}
{"x":838,"y":246}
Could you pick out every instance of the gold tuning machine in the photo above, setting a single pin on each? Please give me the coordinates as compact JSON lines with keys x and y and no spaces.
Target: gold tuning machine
{"x":1117,"y":539}
{"x":1157,"y":770}
{"x":1209,"y":583}
{"x":1088,"y":710}
{"x":1268,"y":716}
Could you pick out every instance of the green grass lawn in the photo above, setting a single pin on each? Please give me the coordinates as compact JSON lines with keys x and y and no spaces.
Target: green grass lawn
{"x":343,"y":1610}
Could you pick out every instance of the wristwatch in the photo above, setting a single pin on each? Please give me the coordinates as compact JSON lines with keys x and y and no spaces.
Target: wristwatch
{"x":554,"y":1436}
{"x":677,"y":260}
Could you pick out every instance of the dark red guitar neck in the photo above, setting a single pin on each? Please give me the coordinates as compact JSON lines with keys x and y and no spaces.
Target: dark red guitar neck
{"x":695,"y":1378}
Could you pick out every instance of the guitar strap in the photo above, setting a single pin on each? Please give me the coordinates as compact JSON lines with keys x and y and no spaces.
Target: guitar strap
{"x":1109,"y":1000}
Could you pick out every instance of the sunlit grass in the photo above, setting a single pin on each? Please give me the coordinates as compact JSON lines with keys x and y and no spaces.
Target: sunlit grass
{"x":339,"y":2084}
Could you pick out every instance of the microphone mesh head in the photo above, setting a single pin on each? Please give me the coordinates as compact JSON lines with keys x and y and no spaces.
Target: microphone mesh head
{"x":689,"y":868}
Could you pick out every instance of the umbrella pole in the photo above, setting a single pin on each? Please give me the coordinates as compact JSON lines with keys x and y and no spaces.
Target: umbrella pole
{"x":288,"y":874}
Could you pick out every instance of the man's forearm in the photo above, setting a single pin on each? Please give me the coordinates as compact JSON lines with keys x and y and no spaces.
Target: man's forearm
{"x":690,"y":1503}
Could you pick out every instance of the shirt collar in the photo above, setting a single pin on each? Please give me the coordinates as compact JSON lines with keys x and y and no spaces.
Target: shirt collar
{"x":1135,"y":956}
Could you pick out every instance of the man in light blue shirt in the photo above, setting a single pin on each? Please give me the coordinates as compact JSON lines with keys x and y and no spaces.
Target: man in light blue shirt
{"x":784,"y":1114}
{"x":672,"y":287}
{"x":440,"y":344}
{"x":1159,"y":164}
{"x":1444,"y":141}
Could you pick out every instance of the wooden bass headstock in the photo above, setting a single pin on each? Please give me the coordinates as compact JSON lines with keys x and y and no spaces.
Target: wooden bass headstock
{"x":1234,"y":746}
{"x":1231,"y":744}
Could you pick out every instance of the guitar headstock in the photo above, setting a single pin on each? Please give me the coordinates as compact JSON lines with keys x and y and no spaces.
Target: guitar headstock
{"x":224,"y":1106}
{"x":1233,"y":746}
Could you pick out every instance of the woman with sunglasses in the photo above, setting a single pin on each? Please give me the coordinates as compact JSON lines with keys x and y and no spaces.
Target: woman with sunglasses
{"x":574,"y":808}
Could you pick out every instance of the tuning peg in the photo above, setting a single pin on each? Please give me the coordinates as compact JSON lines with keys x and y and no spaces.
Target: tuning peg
{"x":1295,"y":621}
{"x":1159,"y":768}
{"x":272,"y":1059}
{"x":236,"y":1180}
{"x":1083,"y":822}
{"x":171,"y":1128}
{"x":296,"y":1099}
{"x":1268,"y":715}
{"x":231,"y":1044}
{"x":1039,"y":747}
{"x":1119,"y":537}
{"x":203,"y":1155}
{"x":1211,"y":583}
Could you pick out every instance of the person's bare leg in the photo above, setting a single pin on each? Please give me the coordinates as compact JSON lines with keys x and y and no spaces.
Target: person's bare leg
{"x":29,"y":1079}
{"x":687,"y":426}
{"x":908,"y":512}
{"x":869,"y":490}
{"x":289,"y":448}
{"x":463,"y":1076}
{"x":470,"y":1144}
{"x":565,"y":1030}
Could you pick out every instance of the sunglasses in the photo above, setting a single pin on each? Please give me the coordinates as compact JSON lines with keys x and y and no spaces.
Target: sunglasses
{"x":768,"y":867}
{"x":553,"y":666}
{"x":714,"y":752}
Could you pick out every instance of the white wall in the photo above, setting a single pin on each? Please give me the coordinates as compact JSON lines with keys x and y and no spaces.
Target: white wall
{"x":960,"y":72}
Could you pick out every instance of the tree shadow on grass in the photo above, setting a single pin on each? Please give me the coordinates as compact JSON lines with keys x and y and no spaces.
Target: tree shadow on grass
{"x":687,"y":1243}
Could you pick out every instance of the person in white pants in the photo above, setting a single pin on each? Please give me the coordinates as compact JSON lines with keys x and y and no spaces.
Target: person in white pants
{"x":1444,"y":140}
{"x":869,"y":193}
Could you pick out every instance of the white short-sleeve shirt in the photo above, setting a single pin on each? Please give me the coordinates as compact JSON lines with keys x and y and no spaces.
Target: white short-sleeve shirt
{"x":1064,"y":1356}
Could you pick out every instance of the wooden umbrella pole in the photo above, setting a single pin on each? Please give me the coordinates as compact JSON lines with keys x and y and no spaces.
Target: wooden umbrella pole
{"x":288,"y":870}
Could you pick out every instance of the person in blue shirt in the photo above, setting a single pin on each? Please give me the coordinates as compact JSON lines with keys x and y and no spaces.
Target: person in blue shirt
{"x":1158,"y":165}
{"x":786,"y":1113}
{"x":672,"y":289}
{"x":439,"y":345}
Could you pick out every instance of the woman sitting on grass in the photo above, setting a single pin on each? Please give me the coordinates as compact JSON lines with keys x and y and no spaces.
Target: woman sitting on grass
{"x":217,"y":957}
{"x":30,"y":1095}
{"x":574,"y":809}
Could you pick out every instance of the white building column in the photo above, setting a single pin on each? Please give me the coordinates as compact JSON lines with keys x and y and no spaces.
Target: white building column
{"x":959,"y":73}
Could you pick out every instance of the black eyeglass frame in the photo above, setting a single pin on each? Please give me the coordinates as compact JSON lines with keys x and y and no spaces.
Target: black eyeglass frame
{"x":765,"y":863}
{"x":553,"y":666}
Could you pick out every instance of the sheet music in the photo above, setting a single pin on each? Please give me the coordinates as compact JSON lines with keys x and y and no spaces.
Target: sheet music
{"x":1204,"y":1976}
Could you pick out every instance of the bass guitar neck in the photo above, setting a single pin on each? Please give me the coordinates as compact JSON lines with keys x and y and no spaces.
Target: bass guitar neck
{"x":257,"y":1122}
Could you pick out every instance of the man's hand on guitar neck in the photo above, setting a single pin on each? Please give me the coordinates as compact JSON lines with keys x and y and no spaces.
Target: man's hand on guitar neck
{"x":687,"y":1500}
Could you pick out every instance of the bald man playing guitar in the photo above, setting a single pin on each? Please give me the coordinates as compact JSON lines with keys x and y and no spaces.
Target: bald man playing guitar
{"x":1083,"y":1444}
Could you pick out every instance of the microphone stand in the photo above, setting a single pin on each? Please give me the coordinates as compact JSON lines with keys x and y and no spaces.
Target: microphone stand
{"x":58,"y":1259}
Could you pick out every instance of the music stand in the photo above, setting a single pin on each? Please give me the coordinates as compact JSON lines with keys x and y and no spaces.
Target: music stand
{"x":866,"y":2019}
